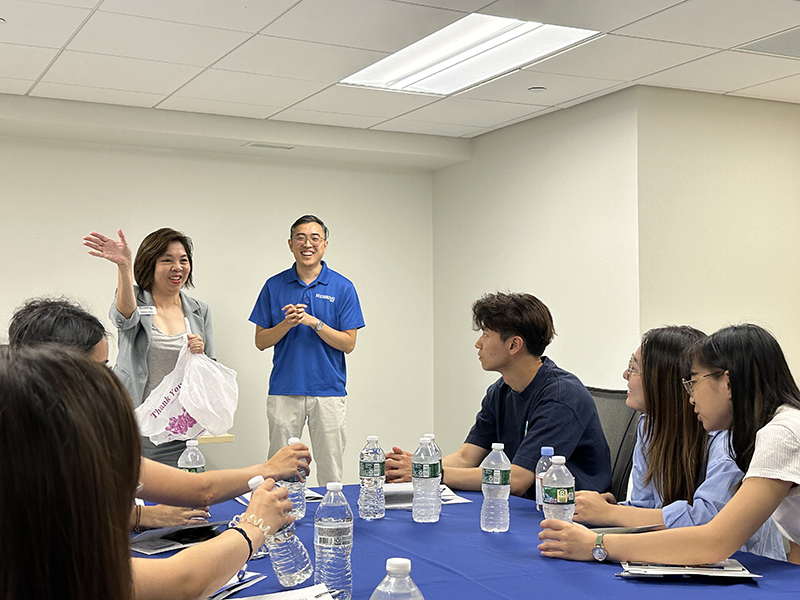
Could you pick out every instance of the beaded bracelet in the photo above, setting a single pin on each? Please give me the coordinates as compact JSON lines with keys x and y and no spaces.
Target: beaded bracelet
{"x":246,"y":537}
{"x":252,"y":520}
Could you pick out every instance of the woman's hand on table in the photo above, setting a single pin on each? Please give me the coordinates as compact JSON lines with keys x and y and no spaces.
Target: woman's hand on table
{"x":592,"y":508}
{"x":560,"y":539}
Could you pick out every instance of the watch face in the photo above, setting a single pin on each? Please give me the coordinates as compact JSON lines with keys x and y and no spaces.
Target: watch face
{"x":599,"y":553}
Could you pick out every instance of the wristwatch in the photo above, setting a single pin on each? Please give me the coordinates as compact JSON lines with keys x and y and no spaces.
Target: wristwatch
{"x":319,"y":326}
{"x":599,"y":552}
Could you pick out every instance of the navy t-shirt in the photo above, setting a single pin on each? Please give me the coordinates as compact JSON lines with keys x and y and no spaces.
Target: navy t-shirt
{"x":554,"y":410}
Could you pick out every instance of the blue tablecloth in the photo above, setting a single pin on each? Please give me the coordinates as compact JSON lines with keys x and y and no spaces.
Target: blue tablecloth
{"x":455,"y":559}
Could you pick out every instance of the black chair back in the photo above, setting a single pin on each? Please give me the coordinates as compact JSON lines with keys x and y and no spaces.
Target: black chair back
{"x":619,"y":426}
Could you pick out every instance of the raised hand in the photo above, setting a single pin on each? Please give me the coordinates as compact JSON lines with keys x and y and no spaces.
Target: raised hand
{"x":104,"y":247}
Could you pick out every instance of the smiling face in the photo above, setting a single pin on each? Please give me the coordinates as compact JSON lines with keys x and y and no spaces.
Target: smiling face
{"x":633,"y":375}
{"x":172,"y":270}
{"x":711,"y":398}
{"x":308,"y":244}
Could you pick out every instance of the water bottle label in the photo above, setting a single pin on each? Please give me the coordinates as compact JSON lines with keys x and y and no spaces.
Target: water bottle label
{"x":425,"y":470}
{"x":496,"y":477}
{"x":558,"y":495}
{"x":340,"y":534}
{"x":193,"y":469}
{"x":371,"y":469}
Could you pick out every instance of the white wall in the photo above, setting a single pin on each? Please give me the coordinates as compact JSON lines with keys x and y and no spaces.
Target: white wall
{"x":238,"y":212}
{"x":719,"y":213}
{"x":547,"y":207}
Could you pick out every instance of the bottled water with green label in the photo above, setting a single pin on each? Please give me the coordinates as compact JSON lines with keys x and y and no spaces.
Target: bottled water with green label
{"x":558,"y":491}
{"x":438,"y":452}
{"x":297,"y":490}
{"x":333,"y":543}
{"x":541,"y":468}
{"x":496,"y":485}
{"x":371,"y":470}
{"x":427,"y":503}
{"x":397,"y":585}
{"x":192,"y":459}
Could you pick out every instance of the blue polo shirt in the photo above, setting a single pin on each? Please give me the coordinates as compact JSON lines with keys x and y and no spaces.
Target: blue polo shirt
{"x":302,"y":364}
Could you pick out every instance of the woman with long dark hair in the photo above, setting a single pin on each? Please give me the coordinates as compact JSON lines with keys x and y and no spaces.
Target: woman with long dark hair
{"x":682,"y":475}
{"x":738,"y":380}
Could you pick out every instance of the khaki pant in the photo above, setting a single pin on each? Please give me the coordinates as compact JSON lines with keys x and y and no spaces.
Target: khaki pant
{"x":287,"y":416}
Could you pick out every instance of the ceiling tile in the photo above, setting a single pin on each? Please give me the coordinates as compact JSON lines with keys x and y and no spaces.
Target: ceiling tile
{"x":14,"y":86}
{"x":78,"y":3}
{"x":597,"y":16}
{"x":380,"y":25}
{"x":786,"y":89}
{"x":326,"y":118}
{"x":248,"y":88}
{"x":718,"y":23}
{"x":136,"y":37}
{"x":24,"y":62}
{"x":298,"y":59}
{"x":559,"y":88}
{"x":362,"y":101}
{"x":241,"y":15}
{"x":725,"y":71}
{"x":218,"y":107}
{"x":118,"y":73}
{"x":463,"y":111}
{"x":621,"y":58}
{"x":37,"y":24}
{"x":93,"y":94}
{"x":462,"y":5}
{"x":408,"y":126}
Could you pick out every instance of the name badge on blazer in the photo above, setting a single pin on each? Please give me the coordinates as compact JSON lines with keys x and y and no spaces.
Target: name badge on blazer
{"x":147,"y":310}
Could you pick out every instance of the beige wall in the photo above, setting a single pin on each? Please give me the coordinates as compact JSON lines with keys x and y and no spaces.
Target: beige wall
{"x":238,"y":212}
{"x":719,"y":213}
{"x":548,"y":207}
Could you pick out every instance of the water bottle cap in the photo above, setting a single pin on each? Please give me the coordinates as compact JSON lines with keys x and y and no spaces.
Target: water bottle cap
{"x":398,"y":565}
{"x":372,"y":438}
{"x":191,"y":442}
{"x":424,"y":441}
{"x":547,"y":451}
{"x":559,"y":460}
{"x":334,"y":486}
{"x":498,"y":446}
{"x":430,"y":436}
{"x":294,"y":440}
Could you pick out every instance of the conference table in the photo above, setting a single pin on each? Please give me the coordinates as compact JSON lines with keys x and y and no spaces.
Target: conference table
{"x":454,"y":558}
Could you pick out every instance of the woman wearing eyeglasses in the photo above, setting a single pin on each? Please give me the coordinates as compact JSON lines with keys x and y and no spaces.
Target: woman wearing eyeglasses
{"x":682,"y":475}
{"x":739,"y":381}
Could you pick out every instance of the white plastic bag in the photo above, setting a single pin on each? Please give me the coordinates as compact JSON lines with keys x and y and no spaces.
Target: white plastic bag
{"x":199,"y":395}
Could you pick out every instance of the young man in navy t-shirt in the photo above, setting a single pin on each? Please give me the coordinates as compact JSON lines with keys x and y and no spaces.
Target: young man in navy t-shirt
{"x":533,"y":404}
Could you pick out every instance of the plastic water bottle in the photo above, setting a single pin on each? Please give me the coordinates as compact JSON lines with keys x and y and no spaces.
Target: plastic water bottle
{"x":297,"y":490}
{"x":541,"y":468}
{"x":192,"y":459}
{"x":427,"y":504}
{"x":397,"y":585}
{"x":372,"y":471}
{"x":333,"y":542}
{"x":438,"y":451}
{"x":496,"y":485}
{"x":558,"y":491}
{"x":289,"y":557}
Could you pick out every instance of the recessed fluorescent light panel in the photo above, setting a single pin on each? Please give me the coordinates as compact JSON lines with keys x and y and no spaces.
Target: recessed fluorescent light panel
{"x":472,"y":50}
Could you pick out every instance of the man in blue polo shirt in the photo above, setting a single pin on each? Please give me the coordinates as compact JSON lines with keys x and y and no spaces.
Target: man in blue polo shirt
{"x":310,"y":314}
{"x":533,"y":404}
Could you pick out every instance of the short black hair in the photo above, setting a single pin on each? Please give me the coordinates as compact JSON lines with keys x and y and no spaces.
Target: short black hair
{"x":510,"y":314}
{"x":308,"y":219}
{"x":58,"y":320}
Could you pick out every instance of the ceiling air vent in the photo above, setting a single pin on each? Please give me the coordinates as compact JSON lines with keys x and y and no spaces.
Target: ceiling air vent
{"x":781,"y":44}
{"x":265,"y":146}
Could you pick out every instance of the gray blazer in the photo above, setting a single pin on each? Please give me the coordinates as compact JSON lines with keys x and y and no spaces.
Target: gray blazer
{"x":134,"y":335}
